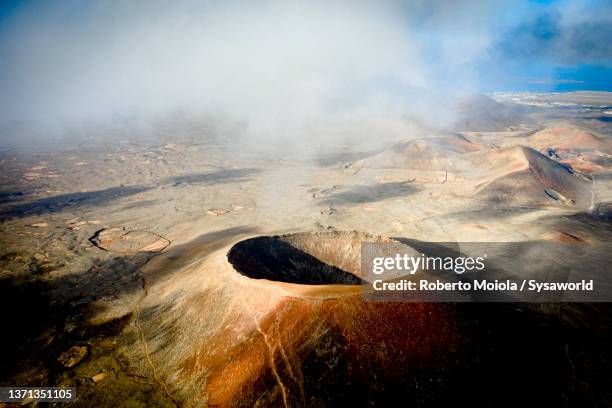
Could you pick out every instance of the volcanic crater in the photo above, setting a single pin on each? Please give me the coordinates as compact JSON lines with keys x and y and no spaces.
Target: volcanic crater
{"x":317,"y":258}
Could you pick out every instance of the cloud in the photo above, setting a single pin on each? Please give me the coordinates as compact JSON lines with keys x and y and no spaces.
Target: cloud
{"x":282,"y":71}
{"x":568,"y":33}
{"x":280,"y":67}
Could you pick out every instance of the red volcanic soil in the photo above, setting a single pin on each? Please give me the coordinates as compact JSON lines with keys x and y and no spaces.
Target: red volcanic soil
{"x":588,"y":162}
{"x":288,"y":344}
{"x":563,"y":238}
{"x":521,"y":175}
{"x":567,"y":137}
{"x":436,"y":153}
{"x":312,"y":353}
{"x":318,"y":343}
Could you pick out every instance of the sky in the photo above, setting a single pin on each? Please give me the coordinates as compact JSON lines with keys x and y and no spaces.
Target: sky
{"x":290,"y":67}
{"x":555,"y":46}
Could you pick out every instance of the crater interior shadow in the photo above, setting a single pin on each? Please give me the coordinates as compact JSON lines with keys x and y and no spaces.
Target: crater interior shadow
{"x":273,"y":259}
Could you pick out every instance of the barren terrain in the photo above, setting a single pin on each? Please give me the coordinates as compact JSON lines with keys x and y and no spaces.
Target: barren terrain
{"x":118,"y":250}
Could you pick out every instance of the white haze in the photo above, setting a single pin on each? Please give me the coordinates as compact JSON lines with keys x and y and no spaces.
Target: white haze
{"x":287,"y":72}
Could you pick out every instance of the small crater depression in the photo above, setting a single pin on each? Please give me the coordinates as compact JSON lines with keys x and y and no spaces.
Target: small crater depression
{"x":318,"y":258}
{"x":119,"y":239}
{"x":559,"y":198}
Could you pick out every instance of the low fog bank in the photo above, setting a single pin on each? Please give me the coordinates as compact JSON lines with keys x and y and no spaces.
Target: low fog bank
{"x":238,"y":135}
{"x":268,"y":75}
{"x":274,"y":73}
